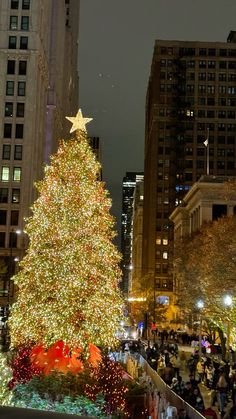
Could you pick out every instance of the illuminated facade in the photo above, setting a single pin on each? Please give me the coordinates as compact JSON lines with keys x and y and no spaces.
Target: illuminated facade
{"x":128,"y":187}
{"x":38,"y":88}
{"x":191,"y":100}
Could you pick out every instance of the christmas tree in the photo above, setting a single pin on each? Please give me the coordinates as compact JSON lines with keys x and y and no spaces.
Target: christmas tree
{"x":68,"y":282}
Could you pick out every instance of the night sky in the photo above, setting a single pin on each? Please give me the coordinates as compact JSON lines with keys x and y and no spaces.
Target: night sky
{"x":116,"y":44}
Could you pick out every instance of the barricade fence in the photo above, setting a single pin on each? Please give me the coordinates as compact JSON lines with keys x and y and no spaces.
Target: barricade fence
{"x":162,"y":395}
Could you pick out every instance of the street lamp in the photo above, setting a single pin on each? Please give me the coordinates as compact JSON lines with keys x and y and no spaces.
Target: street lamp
{"x":228,"y":303}
{"x":200,"y":305}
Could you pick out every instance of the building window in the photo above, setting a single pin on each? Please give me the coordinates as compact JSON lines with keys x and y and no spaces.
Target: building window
{"x":7,"y":130}
{"x":22,"y":68}
{"x":9,"y":109}
{"x":6,"y":152}
{"x":19,"y":131}
{"x":21,"y":88}
{"x":3,"y":195}
{"x":25,"y":4}
{"x":223,"y":64}
{"x":24,"y":42}
{"x":10,"y":88}
{"x":5,"y":173}
{"x":158,"y":240}
{"x":202,"y":64}
{"x":211,"y":52}
{"x":14,"y":4}
{"x":11,"y":66}
{"x":12,"y":42}
{"x":15,"y":196}
{"x":18,"y":152}
{"x":2,"y":239}
{"x":13,"y":23}
{"x":14,"y":217}
{"x":24,"y":23}
{"x":16,"y":174}
{"x":165,"y":255}
{"x":3,"y":217}
{"x":165,"y":242}
{"x":20,"y":110}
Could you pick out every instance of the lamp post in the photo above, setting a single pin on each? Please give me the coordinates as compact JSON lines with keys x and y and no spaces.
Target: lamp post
{"x":228,"y":303}
{"x":200,"y":305}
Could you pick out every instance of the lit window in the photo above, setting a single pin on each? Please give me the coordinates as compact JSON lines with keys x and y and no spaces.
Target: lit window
{"x":141,"y":197}
{"x":158,"y":240}
{"x":165,"y":242}
{"x":13,"y":22}
{"x":16,"y":174}
{"x":5,"y":174}
{"x":165,"y":255}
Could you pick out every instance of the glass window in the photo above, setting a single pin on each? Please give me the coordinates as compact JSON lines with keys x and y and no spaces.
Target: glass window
{"x":25,"y":4}
{"x":18,"y":152}
{"x":3,"y":195}
{"x":21,"y":88}
{"x":22,"y":68}
{"x":19,"y":131}
{"x":12,"y":42}
{"x":24,"y":42}
{"x":14,"y":217}
{"x":7,"y":130}
{"x":15,"y":196}
{"x":13,"y":239}
{"x":20,"y":110}
{"x":16,"y":174}
{"x":13,"y":23}
{"x":24,"y":23}
{"x":6,"y":152}
{"x":5,"y":173}
{"x":9,"y":109}
{"x":165,"y":255}
{"x":11,"y":66}
{"x":2,"y":239}
{"x":14,"y":4}
{"x":10,"y":88}
{"x":3,"y":217}
{"x":165,"y":242}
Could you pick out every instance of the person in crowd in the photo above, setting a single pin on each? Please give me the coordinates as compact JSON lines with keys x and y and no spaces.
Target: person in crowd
{"x":197,"y":400}
{"x":183,"y":414}
{"x":210,"y":413}
{"x":231,"y":414}
{"x":176,"y":363}
{"x":221,"y":389}
{"x":232,"y":383}
{"x":168,"y":374}
{"x":200,"y":370}
{"x":188,"y":392}
{"x":209,"y":371}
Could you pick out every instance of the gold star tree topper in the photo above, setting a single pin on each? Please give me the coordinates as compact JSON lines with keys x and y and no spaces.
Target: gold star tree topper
{"x":78,"y":121}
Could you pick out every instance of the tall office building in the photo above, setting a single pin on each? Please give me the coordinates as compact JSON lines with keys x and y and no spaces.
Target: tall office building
{"x":38,"y":88}
{"x":128,"y":188}
{"x":190,"y":131}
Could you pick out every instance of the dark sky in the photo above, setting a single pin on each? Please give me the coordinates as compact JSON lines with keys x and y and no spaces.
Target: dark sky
{"x":115,"y":52}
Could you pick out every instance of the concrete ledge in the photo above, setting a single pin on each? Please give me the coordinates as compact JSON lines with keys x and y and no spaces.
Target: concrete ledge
{"x":18,"y":413}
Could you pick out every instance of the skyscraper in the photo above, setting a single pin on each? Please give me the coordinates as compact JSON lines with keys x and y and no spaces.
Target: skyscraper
{"x":128,"y":188}
{"x":190,"y":131}
{"x":38,"y":88}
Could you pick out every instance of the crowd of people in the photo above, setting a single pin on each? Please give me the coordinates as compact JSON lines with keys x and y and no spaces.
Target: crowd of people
{"x":188,"y":374}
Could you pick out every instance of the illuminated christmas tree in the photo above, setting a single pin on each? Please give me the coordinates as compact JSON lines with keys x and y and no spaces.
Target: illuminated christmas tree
{"x":68,"y":281}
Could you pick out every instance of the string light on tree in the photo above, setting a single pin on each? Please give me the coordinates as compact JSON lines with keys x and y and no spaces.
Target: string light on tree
{"x":68,"y":282}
